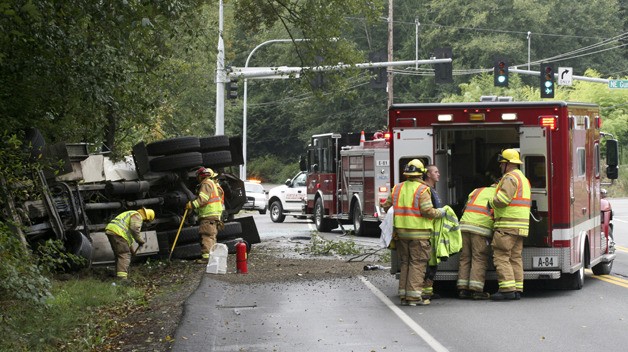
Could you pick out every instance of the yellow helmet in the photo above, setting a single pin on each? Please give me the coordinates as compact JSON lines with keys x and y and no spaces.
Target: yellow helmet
{"x":509,"y":156}
{"x":414,"y":168}
{"x":147,"y":214}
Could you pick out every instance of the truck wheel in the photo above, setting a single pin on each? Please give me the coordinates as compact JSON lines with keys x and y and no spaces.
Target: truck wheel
{"x":173,"y":146}
{"x":322,"y":224}
{"x":186,"y":236}
{"x":359,"y":228}
{"x":213,"y":143}
{"x":573,"y":281}
{"x":231,"y":229}
{"x":276,"y":212}
{"x":176,"y":161}
{"x":602,"y":268}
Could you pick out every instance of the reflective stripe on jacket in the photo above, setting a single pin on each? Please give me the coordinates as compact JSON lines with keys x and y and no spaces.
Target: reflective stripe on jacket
{"x":447,"y":239}
{"x":209,"y":201}
{"x":477,"y":217}
{"x":408,"y":198}
{"x":127,"y":225}
{"x":516,"y":213}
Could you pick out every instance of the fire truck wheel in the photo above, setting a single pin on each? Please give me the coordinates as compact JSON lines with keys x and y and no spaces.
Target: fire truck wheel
{"x":187,"y":235}
{"x":359,"y":227}
{"x":212,"y":143}
{"x":231,"y":229}
{"x":173,"y":146}
{"x":573,"y":281}
{"x":276,"y":212}
{"x":176,"y":161}
{"x":322,"y":224}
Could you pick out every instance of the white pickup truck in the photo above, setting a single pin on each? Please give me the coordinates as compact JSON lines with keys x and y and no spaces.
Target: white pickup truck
{"x":288,"y":199}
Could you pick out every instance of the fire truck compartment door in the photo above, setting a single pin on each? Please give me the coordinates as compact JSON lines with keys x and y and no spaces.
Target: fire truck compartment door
{"x":411,"y":142}
{"x":533,"y":148}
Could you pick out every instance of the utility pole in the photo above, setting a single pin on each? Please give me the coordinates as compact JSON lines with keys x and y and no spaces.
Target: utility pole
{"x":221,"y":77}
{"x":389,"y":82}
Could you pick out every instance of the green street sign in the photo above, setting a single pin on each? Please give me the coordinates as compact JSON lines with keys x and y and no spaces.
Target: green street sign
{"x":618,"y":83}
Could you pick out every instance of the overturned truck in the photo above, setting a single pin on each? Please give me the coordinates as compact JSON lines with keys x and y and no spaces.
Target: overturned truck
{"x":78,"y":199}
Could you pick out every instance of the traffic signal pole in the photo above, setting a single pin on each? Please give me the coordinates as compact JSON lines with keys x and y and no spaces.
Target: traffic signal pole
{"x":578,"y":78}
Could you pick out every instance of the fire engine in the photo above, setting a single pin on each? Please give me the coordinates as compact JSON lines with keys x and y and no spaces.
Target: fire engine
{"x":560,"y":145}
{"x":347,"y":177}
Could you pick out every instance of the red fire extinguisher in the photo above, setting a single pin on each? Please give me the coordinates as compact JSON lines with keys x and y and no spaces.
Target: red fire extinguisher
{"x":241,"y":258}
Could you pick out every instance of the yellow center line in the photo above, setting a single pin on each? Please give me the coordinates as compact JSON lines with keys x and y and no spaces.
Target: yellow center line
{"x":615,"y":280}
{"x":621,"y":248}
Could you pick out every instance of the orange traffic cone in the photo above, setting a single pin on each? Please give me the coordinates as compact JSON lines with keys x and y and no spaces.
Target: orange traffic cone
{"x":362,"y":139}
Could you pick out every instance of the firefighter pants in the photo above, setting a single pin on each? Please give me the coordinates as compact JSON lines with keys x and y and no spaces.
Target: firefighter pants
{"x":208,"y":230}
{"x":507,"y":247}
{"x":473,"y":262}
{"x":122,"y":252}
{"x":413,"y":258}
{"x":428,"y":283}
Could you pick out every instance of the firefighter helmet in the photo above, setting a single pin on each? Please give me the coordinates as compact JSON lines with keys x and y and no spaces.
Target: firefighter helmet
{"x":147,"y":214}
{"x":509,"y":156}
{"x":414,"y":168}
{"x":204,"y":172}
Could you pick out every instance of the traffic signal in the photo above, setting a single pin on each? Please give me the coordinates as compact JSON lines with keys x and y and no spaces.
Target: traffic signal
{"x":547,"y":81}
{"x":232,"y":89}
{"x":500,"y":73}
{"x":443,"y":72}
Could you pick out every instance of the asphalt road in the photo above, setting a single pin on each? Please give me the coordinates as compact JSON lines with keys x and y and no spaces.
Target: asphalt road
{"x":362,"y":314}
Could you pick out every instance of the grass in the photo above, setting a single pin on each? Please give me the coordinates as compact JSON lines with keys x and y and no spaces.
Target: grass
{"x":76,"y":318}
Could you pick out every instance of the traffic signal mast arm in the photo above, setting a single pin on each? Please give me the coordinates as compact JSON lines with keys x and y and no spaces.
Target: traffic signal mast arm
{"x":261,"y":72}
{"x":578,"y":78}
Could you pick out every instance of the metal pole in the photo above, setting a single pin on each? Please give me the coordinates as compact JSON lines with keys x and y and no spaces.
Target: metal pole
{"x":389,"y":84}
{"x":245,"y":96}
{"x":529,"y":38}
{"x":416,"y":42}
{"x":221,"y":77}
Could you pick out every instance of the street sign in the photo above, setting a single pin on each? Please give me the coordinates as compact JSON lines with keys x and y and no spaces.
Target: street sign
{"x":618,"y":83}
{"x":565,"y":76}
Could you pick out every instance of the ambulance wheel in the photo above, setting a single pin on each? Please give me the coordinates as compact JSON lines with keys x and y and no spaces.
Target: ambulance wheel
{"x":602,"y":268}
{"x":359,"y":227}
{"x":276,"y":212}
{"x":573,"y":281}
{"x":322,"y":224}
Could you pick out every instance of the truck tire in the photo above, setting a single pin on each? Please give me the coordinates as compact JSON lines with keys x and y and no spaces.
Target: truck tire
{"x":602,"y":268}
{"x":216,"y":159}
{"x":213,"y":143}
{"x":176,"y":161}
{"x":186,"y":236}
{"x":276,"y":212}
{"x":187,"y":251}
{"x":232,"y":229}
{"x":173,"y":146}
{"x":322,"y":224}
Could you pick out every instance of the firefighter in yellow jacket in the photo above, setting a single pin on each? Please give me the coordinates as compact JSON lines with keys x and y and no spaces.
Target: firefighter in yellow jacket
{"x":413,"y":213}
{"x":477,"y":231}
{"x":208,"y":206}
{"x":511,"y":204}
{"x":121,"y":232}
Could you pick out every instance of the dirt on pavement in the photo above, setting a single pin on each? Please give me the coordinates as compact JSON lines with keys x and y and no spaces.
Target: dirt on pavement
{"x":151,"y":327}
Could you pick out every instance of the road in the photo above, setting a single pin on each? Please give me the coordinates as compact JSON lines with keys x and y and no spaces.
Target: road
{"x":362,"y":313}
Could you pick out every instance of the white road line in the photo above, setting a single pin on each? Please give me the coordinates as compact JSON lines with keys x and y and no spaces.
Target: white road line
{"x":620,"y":220}
{"x":431,"y":341}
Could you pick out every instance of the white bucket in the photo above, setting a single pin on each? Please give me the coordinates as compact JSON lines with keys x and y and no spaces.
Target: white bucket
{"x":217,"y":263}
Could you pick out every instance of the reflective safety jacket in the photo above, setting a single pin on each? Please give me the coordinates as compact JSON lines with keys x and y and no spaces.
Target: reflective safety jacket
{"x":127,"y":225}
{"x":447,"y":239}
{"x":478,"y":218}
{"x":413,"y":210}
{"x":512,"y":202}
{"x":209,"y":201}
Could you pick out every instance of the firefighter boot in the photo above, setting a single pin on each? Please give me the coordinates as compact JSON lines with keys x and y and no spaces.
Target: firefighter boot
{"x":464,"y":294}
{"x":502,"y":296}
{"x":480,"y":295}
{"x":419,"y":302}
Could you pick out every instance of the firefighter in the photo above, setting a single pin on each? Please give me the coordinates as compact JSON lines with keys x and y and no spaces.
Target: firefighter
{"x":431,"y":177}
{"x":413,"y":214}
{"x":121,"y":232}
{"x":511,"y":204}
{"x":477,"y":231}
{"x":209,"y":206}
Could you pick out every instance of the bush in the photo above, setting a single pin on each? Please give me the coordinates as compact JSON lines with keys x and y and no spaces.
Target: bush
{"x":270,"y":169}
